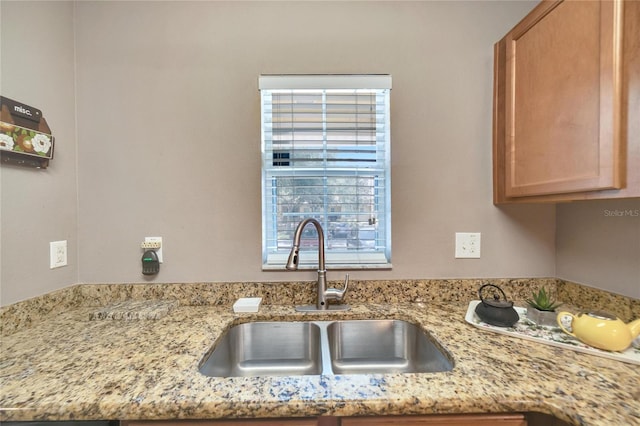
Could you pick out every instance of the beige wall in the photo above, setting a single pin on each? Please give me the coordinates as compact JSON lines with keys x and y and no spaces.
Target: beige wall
{"x":598,"y":244}
{"x":38,"y":206}
{"x":168,"y":136}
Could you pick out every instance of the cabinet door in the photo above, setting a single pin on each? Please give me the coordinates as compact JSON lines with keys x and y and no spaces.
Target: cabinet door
{"x":439,"y":420}
{"x":563,"y":99}
{"x":238,"y":422}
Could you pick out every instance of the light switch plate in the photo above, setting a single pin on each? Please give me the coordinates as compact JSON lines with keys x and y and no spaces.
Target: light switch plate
{"x":467,"y":245}
{"x":57,"y":254}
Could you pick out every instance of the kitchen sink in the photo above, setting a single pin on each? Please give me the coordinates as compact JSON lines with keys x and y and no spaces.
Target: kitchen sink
{"x":324,"y":347}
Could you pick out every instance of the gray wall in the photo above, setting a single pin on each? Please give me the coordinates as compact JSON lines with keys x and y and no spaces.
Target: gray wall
{"x":39,"y":206}
{"x":598,"y":243}
{"x":169,"y":131}
{"x":169,"y":137}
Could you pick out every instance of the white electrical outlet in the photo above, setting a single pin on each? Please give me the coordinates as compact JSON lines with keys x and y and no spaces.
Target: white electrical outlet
{"x":57,"y":254}
{"x":467,"y":245}
{"x":155,"y":244}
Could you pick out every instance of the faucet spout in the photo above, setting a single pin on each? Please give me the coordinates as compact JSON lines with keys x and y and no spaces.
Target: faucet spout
{"x":292,"y":262}
{"x":324,"y":294}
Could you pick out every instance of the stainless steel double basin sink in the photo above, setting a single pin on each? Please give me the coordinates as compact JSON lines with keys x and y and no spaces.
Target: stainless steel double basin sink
{"x":324,"y":347}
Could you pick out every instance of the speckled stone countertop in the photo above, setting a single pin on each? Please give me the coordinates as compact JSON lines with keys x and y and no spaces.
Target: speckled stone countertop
{"x":67,"y":366}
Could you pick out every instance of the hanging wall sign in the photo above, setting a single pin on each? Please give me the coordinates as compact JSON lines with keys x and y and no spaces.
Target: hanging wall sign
{"x":25,"y":137}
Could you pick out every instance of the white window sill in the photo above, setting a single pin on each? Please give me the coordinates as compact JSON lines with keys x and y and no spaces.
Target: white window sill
{"x":343,"y":261}
{"x":334,"y":267}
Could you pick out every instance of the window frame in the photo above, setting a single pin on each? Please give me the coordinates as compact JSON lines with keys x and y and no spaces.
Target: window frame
{"x":380,"y":257}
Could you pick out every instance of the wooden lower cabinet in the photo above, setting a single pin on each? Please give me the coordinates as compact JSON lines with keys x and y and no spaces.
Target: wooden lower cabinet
{"x":429,"y":420}
{"x":238,"y":422}
{"x":438,"y":420}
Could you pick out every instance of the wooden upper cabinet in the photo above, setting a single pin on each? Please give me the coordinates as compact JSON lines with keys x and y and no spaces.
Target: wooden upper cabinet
{"x":565,"y":88}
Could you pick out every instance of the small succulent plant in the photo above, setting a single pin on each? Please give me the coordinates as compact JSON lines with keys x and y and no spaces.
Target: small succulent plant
{"x":543,"y":301}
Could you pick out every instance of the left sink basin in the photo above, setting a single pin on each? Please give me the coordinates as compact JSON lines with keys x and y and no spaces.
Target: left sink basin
{"x":266,"y":349}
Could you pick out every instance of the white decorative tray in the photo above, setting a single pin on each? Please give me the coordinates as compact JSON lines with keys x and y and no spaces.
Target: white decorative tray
{"x":553,"y":336}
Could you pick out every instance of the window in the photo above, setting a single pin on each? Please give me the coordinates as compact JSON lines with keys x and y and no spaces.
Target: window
{"x":325,"y":154}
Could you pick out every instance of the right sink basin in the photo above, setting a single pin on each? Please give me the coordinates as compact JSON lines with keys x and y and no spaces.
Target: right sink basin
{"x":383,"y":346}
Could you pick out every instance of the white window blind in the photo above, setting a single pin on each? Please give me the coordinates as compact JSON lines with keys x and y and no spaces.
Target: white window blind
{"x":325,"y":154}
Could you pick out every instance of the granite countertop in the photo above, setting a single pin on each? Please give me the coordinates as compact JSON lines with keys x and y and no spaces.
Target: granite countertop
{"x":74,"y":367}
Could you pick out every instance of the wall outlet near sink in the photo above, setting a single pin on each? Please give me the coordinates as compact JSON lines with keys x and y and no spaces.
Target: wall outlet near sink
{"x":467,"y":245}
{"x":57,"y":254}
{"x":153,"y":243}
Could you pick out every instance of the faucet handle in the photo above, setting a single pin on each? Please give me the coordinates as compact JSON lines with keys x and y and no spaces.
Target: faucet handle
{"x":346,"y":284}
{"x":334,"y":293}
